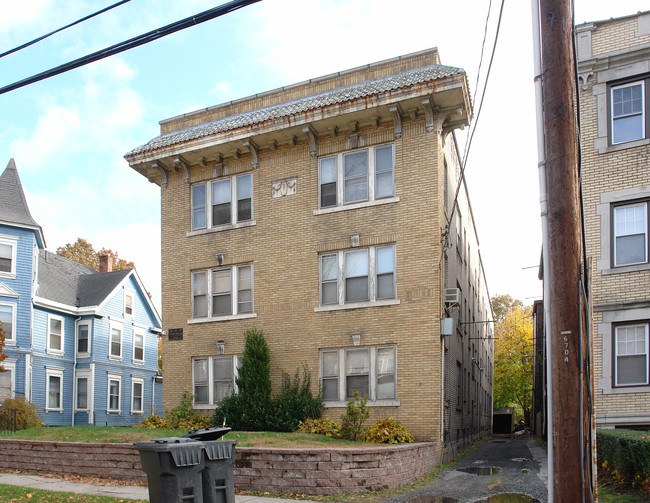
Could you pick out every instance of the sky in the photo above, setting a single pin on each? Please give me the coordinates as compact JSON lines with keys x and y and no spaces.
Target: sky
{"x":68,"y":134}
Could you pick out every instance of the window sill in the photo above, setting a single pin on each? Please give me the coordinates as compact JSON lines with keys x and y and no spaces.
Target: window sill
{"x":10,"y":342}
{"x":221,"y":228}
{"x":55,"y":352}
{"x":118,"y":412}
{"x":354,"y":206}
{"x":624,"y":390}
{"x":625,"y":268}
{"x":605,"y":148}
{"x":204,"y":406}
{"x":222,"y":318}
{"x":357,"y":305}
{"x":376,"y":403}
{"x":83,"y":355}
{"x":60,"y":411}
{"x":115,"y":358}
{"x":10,"y":275}
{"x":138,"y":362}
{"x":137,"y":413}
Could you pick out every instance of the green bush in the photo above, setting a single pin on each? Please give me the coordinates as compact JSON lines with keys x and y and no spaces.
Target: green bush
{"x":295,"y":403}
{"x":624,"y":456}
{"x":388,"y":431}
{"x":356,"y":413}
{"x":27,"y":415}
{"x":321,"y":426}
{"x":155,"y":422}
{"x":181,"y":417}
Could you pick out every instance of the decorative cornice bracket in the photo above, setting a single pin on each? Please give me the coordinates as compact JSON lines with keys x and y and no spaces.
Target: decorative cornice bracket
{"x":164,"y":172}
{"x":255,"y":161}
{"x":397,"y":120}
{"x":428,"y":115}
{"x":313,"y":148}
{"x":182,"y":163}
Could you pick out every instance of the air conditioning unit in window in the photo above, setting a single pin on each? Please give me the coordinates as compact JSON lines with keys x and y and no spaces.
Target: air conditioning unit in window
{"x":452,"y":296}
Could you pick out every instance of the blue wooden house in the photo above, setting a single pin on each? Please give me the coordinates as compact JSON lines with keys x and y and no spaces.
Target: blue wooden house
{"x":81,"y":344}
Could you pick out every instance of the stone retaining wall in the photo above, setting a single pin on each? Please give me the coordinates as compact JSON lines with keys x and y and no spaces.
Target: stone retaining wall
{"x":308,"y":471}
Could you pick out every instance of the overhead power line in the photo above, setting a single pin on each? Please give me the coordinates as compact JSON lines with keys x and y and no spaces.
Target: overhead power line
{"x":133,"y":42}
{"x":20,"y":47}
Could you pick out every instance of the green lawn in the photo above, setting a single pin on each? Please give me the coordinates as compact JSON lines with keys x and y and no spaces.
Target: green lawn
{"x":11,"y":494}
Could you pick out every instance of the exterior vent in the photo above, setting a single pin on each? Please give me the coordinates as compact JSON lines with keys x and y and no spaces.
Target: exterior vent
{"x":447,"y":326}
{"x":452,"y":295}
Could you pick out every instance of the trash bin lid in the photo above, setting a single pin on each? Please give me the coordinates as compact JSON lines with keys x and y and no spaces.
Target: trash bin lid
{"x":184,"y":451}
{"x":222,"y":449}
{"x":214,"y":433}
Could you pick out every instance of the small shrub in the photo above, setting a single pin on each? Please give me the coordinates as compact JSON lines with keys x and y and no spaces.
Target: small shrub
{"x":322,"y":426}
{"x":295,"y":403}
{"x":154,"y":421}
{"x":388,"y":431}
{"x":624,"y":456}
{"x":356,"y":413}
{"x":27,"y":415}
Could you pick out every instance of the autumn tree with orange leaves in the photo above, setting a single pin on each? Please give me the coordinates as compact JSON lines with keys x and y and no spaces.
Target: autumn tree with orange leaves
{"x":82,"y":251}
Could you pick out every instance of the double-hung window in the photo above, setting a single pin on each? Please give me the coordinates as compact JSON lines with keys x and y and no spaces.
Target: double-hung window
{"x":214,"y":379}
{"x":8,"y":245}
{"x":631,"y":361}
{"x":630,"y":231}
{"x":224,"y":291}
{"x":8,"y":321}
{"x":137,"y":392}
{"x":357,"y":276}
{"x":55,"y":335}
{"x":358,"y":176}
{"x":54,"y":389}
{"x":222,"y":203}
{"x":115,"y":341}
{"x":138,"y":346}
{"x":83,"y":338}
{"x":128,"y":304}
{"x":114,"y":393}
{"x":368,"y":371}
{"x":83,"y":391}
{"x":628,"y":112}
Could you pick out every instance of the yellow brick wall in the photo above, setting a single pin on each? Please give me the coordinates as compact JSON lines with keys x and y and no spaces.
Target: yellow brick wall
{"x":284,"y":247}
{"x":616,"y":35}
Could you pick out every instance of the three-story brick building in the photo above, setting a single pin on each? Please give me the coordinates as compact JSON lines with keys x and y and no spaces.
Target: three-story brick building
{"x":321,"y":213}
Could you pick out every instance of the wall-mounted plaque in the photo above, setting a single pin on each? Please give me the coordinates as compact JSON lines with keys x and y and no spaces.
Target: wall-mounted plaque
{"x":175,"y":334}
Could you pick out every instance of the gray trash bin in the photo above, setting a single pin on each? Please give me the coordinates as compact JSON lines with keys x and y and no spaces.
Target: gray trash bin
{"x":174,"y":468}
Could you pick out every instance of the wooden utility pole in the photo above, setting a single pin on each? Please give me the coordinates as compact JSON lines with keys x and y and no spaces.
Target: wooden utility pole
{"x":571,"y":482}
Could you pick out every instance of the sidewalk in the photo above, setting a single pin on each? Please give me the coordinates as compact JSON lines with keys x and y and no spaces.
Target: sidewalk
{"x":122,"y":492}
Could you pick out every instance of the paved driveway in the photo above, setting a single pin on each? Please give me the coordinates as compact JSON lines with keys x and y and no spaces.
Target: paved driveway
{"x":521,"y":465}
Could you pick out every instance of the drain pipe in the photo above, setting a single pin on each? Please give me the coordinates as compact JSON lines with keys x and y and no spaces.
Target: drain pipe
{"x":543,"y":203}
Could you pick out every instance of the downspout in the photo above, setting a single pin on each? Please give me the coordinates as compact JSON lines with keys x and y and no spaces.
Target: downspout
{"x":74,"y":368}
{"x":541,"y":155}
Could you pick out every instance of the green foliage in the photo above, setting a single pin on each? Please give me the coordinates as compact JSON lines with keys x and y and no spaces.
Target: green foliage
{"x":295,"y":403}
{"x":503,"y":304}
{"x":153,"y":421}
{"x":356,"y":413}
{"x":388,"y":431}
{"x":624,"y":457}
{"x":27,"y":415}
{"x":321,"y":426}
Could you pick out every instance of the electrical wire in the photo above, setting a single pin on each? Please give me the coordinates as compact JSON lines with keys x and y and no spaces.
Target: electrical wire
{"x":461,"y":179}
{"x":20,"y":47}
{"x":133,"y":42}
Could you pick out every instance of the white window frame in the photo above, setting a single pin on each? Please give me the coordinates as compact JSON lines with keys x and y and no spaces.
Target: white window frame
{"x":114,"y":378}
{"x":82,"y":354}
{"x":645,"y":326}
{"x":643,"y":204}
{"x":12,"y":242}
{"x":373,"y":375}
{"x":83,"y":374}
{"x":134,"y":381}
{"x":140,"y":333}
{"x":234,"y":294}
{"x":53,"y":372}
{"x":211,"y":404}
{"x":371,"y":179}
{"x":115,"y":325}
{"x":9,"y":365}
{"x":342,"y":303}
{"x":12,"y":340}
{"x":234,"y":205}
{"x":642,"y":113}
{"x":50,"y":319}
{"x":129,"y":294}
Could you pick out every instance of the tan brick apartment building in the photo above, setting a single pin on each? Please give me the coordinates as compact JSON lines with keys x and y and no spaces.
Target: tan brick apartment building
{"x":614,"y":79}
{"x":317,"y":212}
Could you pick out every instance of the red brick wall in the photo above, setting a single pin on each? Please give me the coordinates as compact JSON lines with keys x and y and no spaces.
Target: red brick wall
{"x":308,"y":471}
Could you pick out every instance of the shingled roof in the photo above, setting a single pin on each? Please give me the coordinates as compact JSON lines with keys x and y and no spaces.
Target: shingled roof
{"x":67,"y":282}
{"x":315,"y":101}
{"x":13,"y":205}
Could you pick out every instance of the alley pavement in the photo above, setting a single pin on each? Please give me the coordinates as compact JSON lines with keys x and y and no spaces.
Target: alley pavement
{"x":503,"y":464}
